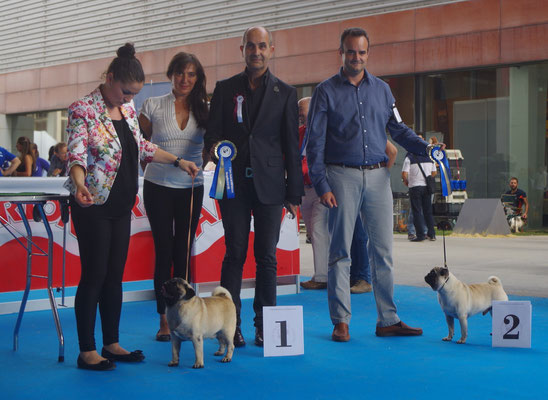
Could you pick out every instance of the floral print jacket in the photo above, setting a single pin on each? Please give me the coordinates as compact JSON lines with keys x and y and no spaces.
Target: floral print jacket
{"x":94,"y":144}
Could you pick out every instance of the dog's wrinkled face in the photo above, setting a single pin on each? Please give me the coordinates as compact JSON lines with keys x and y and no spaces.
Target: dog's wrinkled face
{"x":177,"y":289}
{"x":436,"y":277}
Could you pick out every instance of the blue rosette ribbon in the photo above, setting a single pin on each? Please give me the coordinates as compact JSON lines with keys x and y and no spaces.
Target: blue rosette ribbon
{"x":439,"y":156}
{"x":225,"y":152}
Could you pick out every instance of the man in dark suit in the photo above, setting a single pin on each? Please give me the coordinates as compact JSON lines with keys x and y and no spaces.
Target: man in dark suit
{"x":258,"y":113}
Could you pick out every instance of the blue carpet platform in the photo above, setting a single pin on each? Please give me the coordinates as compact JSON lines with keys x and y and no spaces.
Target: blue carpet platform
{"x":366,"y":367}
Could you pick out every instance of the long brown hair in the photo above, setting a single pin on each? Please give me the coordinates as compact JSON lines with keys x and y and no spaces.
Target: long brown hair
{"x":198,"y":96}
{"x":26,"y":149}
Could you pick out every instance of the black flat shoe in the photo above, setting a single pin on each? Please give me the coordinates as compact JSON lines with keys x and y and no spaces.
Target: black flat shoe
{"x":163,"y":338}
{"x":105,"y":365}
{"x":134,"y":356}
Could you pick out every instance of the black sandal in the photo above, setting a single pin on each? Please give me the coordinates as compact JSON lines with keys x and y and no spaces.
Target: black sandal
{"x":134,"y":356}
{"x":163,"y":338}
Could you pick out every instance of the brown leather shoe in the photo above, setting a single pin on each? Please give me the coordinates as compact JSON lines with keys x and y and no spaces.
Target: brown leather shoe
{"x":399,"y":329}
{"x":311,"y":285}
{"x":361,"y":286}
{"x":340,"y":333}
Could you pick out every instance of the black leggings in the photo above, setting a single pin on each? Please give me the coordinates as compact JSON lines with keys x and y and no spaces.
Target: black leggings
{"x":168,"y":211}
{"x":103,"y":243}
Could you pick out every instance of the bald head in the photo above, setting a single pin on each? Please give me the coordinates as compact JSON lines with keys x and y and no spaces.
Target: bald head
{"x":257,"y":50}
{"x":303,"y":110}
{"x":261,"y":29}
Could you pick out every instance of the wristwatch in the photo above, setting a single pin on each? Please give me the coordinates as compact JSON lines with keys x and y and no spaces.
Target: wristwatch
{"x":176,"y":162}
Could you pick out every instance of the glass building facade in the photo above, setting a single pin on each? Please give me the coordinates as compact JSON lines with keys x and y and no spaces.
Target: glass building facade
{"x":497,"y":118}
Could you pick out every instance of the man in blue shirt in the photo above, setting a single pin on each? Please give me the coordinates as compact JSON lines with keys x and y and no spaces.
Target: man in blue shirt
{"x":8,"y":162}
{"x":348,"y":117}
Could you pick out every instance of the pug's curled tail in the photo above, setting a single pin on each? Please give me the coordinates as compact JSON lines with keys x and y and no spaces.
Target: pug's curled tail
{"x":493,"y":280}
{"x":222,"y":292}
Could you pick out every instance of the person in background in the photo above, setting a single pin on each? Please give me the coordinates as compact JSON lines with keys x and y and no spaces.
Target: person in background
{"x":421,"y":200}
{"x":42,"y":166}
{"x":360,"y":269}
{"x":176,"y":123}
{"x":58,"y":165}
{"x":8,"y":162}
{"x":314,"y":213}
{"x":104,"y":147}
{"x":520,"y":201}
{"x":28,"y":163}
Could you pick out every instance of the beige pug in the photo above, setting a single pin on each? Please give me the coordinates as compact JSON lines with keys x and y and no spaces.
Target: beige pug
{"x":193,"y":318}
{"x":459,"y":300}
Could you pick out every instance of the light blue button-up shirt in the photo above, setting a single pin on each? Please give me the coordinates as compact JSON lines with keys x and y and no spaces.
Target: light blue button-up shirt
{"x":347,"y":125}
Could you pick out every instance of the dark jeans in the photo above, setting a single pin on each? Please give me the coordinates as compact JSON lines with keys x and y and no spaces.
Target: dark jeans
{"x":421,"y":200}
{"x":236,"y":214}
{"x":103,"y":243}
{"x":168,"y":211}
{"x":360,"y":268}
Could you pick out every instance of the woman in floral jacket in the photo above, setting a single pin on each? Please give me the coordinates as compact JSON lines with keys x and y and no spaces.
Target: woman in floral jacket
{"x":104,"y":146}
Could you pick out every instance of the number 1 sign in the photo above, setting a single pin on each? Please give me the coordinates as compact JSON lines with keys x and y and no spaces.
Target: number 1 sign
{"x":283,"y":331}
{"x":512,"y":324}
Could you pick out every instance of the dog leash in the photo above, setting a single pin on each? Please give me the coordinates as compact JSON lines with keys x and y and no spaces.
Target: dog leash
{"x":189,"y":230}
{"x":444,"y":250}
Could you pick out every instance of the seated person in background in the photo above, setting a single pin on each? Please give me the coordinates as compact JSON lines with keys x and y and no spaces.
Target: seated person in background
{"x":25,"y":155}
{"x":8,"y":162}
{"x":520,"y":199}
{"x":58,"y":166}
{"x":42,"y":166}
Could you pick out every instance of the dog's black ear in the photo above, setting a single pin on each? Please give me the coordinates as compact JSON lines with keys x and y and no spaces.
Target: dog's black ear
{"x":445,"y":271}
{"x":190,"y":293}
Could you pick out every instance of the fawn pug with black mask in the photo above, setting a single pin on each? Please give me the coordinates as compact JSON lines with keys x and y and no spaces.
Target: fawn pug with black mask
{"x":459,"y":300}
{"x":193,"y":318}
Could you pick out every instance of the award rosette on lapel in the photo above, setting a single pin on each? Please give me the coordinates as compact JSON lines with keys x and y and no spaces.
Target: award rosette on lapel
{"x":238,"y":102}
{"x":438,"y":155}
{"x":225,"y":152}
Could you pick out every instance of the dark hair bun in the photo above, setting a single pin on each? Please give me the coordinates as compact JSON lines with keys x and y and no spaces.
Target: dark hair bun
{"x":126,"y":51}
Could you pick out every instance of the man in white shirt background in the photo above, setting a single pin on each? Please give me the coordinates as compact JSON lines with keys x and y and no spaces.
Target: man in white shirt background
{"x":421,"y":200}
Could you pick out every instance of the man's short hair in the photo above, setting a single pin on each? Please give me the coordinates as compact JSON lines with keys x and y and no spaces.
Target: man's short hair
{"x":59,"y":146}
{"x":514,"y":179}
{"x":244,"y":37}
{"x":354,"y":32}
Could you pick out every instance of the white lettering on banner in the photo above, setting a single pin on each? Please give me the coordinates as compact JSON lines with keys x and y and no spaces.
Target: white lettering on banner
{"x":210,"y":227}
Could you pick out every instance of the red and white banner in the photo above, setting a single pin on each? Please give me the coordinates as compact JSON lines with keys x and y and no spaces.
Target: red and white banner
{"x":208,"y":250}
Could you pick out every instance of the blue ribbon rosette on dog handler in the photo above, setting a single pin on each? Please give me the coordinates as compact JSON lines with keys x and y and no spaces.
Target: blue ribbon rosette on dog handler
{"x":226,"y":153}
{"x":439,"y":156}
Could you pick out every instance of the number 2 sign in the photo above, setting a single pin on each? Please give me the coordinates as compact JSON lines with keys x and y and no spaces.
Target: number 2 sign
{"x":283,"y":331}
{"x":512,"y":324}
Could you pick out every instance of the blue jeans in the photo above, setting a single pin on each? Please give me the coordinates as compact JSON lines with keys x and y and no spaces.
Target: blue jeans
{"x":366,"y":193}
{"x":360,"y":268}
{"x":421,"y":207}
{"x":410,"y":225}
{"x":411,"y":231}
